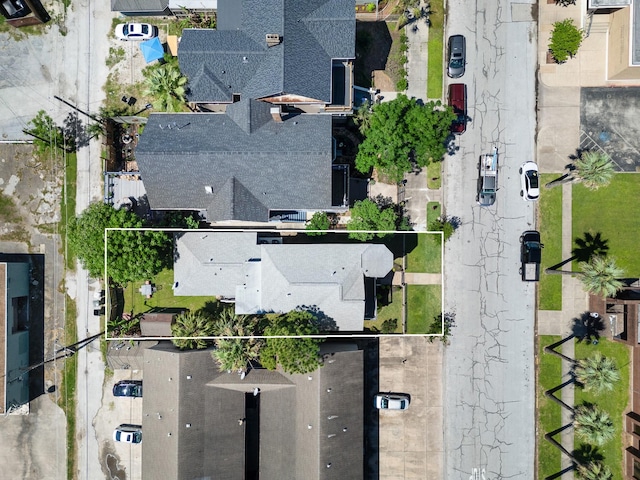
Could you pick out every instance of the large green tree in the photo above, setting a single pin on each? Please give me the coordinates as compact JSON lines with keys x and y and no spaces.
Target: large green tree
{"x":166,"y":85}
{"x":294,"y":355}
{"x":318,"y":224}
{"x":236,"y":353}
{"x":593,"y":425}
{"x":368,"y":216}
{"x":192,"y":327}
{"x":131,"y":254}
{"x":403,"y":132}
{"x":47,"y":134}
{"x":597,"y":373}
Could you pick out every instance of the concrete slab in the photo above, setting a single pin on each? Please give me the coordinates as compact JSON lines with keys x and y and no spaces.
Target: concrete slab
{"x":609,"y":117}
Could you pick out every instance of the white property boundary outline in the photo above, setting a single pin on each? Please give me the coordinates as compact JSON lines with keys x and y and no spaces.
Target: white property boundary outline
{"x":280,"y":231}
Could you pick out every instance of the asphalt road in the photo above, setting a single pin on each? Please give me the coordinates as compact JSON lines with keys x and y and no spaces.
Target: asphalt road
{"x":489,"y":366}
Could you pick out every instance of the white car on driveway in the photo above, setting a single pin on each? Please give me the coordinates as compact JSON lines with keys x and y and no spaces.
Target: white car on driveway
{"x":127,"y":433}
{"x":136,"y":31}
{"x":389,"y":401}
{"x":530,"y":181}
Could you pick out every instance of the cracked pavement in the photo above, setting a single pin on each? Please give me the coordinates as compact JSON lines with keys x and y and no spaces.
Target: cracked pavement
{"x":489,"y":376}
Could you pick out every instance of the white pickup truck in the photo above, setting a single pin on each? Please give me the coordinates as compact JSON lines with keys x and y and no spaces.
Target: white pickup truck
{"x":488,"y":178}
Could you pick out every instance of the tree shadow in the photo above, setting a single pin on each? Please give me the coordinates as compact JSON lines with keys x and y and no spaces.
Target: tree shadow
{"x":588,"y":453}
{"x":587,"y":246}
{"x":587,"y":327}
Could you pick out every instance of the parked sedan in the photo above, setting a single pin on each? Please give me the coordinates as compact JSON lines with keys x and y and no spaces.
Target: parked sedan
{"x":388,"y":401}
{"x":530,"y":181}
{"x":127,"y":433}
{"x":136,"y":31}
{"x":457,"y":56}
{"x":128,"y":388}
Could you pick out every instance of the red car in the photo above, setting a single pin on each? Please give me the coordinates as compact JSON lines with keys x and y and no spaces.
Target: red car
{"x":458,"y":101}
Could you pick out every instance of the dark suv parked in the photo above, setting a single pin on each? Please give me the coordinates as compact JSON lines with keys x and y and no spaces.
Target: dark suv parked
{"x":128,"y":388}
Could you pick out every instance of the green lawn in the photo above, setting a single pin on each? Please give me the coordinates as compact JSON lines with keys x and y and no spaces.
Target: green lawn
{"x":163,"y":298}
{"x":387,"y":312}
{"x":426,"y":257}
{"x":549,"y":376}
{"x":424,"y":303}
{"x":614,"y":402}
{"x":550,"y":226}
{"x":435,"y":50}
{"x":606,"y":210}
{"x":434,"y":175}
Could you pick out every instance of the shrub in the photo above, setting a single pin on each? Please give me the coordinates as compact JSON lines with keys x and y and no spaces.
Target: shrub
{"x":371,"y":7}
{"x":319,"y":221}
{"x":402,"y":85}
{"x":565,"y":40}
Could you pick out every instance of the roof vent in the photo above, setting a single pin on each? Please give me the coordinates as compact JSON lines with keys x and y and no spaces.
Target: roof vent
{"x":208,"y":189}
{"x":276,"y":114}
{"x":273,"y":39}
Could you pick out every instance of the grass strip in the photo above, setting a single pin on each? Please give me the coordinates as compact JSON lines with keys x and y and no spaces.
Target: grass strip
{"x":67,"y":399}
{"x":549,"y":413}
{"x":550,"y":226}
{"x":435,"y":44}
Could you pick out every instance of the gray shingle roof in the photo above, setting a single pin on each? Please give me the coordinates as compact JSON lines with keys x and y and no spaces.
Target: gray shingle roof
{"x":212,"y":402}
{"x":252,"y":163}
{"x":235,"y":59}
{"x":280,"y":277}
{"x":139,"y":6}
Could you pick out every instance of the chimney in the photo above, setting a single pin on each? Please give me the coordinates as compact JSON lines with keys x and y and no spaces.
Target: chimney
{"x":273,"y":39}
{"x":276,"y":113}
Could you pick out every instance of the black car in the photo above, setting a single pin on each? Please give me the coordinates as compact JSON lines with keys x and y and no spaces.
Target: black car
{"x":14,"y":9}
{"x":128,"y":388}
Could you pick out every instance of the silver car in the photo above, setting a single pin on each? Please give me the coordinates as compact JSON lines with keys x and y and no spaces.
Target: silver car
{"x":457,"y":56}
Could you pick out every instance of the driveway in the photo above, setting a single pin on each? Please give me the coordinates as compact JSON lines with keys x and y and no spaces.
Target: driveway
{"x":119,"y":461}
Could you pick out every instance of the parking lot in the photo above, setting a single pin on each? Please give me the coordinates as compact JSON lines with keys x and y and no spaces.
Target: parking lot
{"x":411,"y":441}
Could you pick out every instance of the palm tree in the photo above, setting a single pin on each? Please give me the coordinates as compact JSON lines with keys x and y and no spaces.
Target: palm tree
{"x":593,"y":169}
{"x":236,"y":353}
{"x":600,"y":276}
{"x":192,"y":327}
{"x":593,"y":425}
{"x":597,"y":373}
{"x":166,"y":85}
{"x":362,"y":117}
{"x":594,"y":471}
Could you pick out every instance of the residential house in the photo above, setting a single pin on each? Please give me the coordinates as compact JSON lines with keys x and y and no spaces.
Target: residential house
{"x":619,"y":21}
{"x":622,"y":316}
{"x":14,"y":334}
{"x":335,"y":280}
{"x":199,"y":422}
{"x":286,"y":52}
{"x":246,"y":164}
